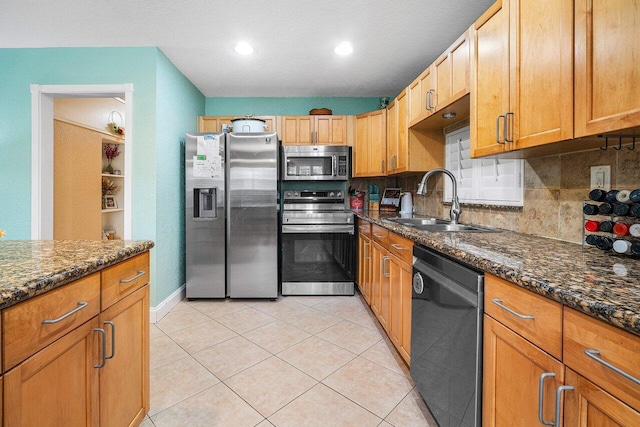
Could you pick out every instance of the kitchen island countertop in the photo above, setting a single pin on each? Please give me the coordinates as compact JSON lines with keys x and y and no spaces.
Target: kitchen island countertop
{"x":602,"y":284}
{"x":32,"y":267}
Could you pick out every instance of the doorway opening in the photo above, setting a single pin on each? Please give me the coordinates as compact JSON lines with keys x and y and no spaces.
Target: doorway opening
{"x":42,"y":151}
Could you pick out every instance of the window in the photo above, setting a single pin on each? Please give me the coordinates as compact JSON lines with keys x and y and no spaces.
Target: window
{"x":482,"y":181}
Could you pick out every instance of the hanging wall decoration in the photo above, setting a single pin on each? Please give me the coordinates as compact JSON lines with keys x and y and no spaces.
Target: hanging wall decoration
{"x":116,"y":126}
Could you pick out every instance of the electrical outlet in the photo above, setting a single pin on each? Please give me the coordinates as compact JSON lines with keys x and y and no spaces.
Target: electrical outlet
{"x":601,"y":177}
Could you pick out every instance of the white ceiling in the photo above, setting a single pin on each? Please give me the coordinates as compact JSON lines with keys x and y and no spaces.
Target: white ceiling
{"x":293,"y":40}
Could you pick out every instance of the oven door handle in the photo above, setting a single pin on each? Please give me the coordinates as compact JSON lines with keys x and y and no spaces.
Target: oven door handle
{"x":317,"y":228}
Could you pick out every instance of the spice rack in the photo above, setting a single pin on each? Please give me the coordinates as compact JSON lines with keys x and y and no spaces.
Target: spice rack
{"x":610,"y":234}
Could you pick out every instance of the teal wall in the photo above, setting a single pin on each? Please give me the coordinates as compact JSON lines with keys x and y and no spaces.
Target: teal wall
{"x":165,"y":106}
{"x":287,"y":106}
{"x":179,"y":103}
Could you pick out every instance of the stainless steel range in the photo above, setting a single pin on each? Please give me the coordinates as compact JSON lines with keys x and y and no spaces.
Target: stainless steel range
{"x":318,"y":243}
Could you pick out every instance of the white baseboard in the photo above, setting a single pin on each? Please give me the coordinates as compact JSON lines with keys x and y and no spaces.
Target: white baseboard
{"x":162,"y":309}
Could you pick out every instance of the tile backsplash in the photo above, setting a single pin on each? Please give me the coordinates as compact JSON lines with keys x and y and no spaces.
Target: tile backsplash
{"x":554,"y":188}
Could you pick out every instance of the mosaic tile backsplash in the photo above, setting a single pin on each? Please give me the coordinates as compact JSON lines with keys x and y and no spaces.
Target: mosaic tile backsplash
{"x":554,"y":188}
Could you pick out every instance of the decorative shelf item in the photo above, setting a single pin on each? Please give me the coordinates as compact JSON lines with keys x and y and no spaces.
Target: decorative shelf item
{"x":117,"y":129}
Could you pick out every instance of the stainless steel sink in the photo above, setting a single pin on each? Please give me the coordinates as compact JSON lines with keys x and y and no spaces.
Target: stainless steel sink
{"x":415,"y":222}
{"x":434,"y":228}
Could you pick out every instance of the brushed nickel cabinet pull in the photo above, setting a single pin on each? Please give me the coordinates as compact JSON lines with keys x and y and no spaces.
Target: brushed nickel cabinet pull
{"x":384,"y":270}
{"x":140,"y":274}
{"x":113,"y":338}
{"x":559,"y":392}
{"x":81,"y":305}
{"x":541,"y":398}
{"x":498,"y":301}
{"x":397,"y":246}
{"x":506,"y":127}
{"x":104,"y":345}
{"x":594,"y":355}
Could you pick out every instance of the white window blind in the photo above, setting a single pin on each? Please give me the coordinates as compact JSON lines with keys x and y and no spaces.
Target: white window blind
{"x":481,"y":181}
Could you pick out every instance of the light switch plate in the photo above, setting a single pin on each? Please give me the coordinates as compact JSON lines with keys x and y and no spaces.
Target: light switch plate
{"x":601,"y":177}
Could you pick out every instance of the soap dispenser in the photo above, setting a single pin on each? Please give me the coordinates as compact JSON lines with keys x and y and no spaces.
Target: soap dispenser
{"x":406,"y":204}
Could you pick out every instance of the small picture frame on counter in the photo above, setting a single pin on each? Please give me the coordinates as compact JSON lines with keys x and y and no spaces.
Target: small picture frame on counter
{"x":109,"y":202}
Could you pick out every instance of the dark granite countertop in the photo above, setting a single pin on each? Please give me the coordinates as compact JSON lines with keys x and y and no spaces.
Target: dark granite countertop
{"x":32,"y":267}
{"x":602,"y":284}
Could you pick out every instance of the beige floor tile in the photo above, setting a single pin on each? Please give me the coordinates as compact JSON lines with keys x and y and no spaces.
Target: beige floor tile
{"x":146,"y":422}
{"x":265,"y":423}
{"x":230,"y":357}
{"x":350,"y":336}
{"x":154,"y":331}
{"x":182,"y":305}
{"x":276,"y":336}
{"x":215,"y":308}
{"x":368,"y":384}
{"x":411,"y":412}
{"x":217,"y":406}
{"x":364,"y":318}
{"x":322,"y":407}
{"x":164,"y":350}
{"x":270,"y":385}
{"x":384,"y":353}
{"x":316,"y":357}
{"x":181,"y":319}
{"x":309,"y":300}
{"x":201,"y":336}
{"x":281,"y":309}
{"x":343,"y":307}
{"x":385,"y":424}
{"x":311,"y":320}
{"x":242,"y":321}
{"x":177,"y":381}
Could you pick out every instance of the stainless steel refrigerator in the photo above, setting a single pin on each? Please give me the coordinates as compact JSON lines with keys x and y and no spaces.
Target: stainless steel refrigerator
{"x":231,"y":215}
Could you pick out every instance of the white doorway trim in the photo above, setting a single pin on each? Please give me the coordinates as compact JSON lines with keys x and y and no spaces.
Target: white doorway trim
{"x":42,"y":97}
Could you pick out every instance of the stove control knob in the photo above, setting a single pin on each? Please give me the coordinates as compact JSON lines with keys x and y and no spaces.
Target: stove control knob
{"x":331,"y":194}
{"x":339,"y":194}
{"x":288,"y":194}
{"x":296,"y":194}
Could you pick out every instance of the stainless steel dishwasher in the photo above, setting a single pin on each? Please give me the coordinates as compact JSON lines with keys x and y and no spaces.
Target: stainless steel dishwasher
{"x":446,"y":337}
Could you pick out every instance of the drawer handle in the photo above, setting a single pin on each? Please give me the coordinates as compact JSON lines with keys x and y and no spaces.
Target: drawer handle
{"x":559,"y":392}
{"x":594,"y":355}
{"x":379,"y":236}
{"x":81,"y":305}
{"x":104,"y":347}
{"x":498,"y":301}
{"x":113,"y":338}
{"x":140,"y":274}
{"x":396,"y":246}
{"x":363,"y":227}
{"x":385,"y":273}
{"x":541,"y":398}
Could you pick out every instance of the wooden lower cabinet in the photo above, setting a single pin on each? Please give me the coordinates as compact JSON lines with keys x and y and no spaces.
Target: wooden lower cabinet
{"x":400,"y":276}
{"x":511,"y":373}
{"x":364,"y":267}
{"x":378,"y":282}
{"x":57,"y":386}
{"x":589,"y":405}
{"x":124,"y":399}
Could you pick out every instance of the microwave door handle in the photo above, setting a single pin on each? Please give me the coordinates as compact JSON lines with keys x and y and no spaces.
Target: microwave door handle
{"x":334,"y":167}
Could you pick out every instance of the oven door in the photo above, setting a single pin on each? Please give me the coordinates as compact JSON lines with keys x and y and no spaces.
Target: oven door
{"x":318,"y":259}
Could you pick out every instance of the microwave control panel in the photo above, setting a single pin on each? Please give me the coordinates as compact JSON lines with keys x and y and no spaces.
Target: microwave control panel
{"x":342,"y":165}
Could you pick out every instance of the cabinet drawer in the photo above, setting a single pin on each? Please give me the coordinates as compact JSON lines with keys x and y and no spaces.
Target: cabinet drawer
{"x":401,"y":247}
{"x":121,"y":279}
{"x":364,"y":228}
{"x":380,"y":235}
{"x":609,"y":344}
{"x":534,"y":317}
{"x":24,"y":331}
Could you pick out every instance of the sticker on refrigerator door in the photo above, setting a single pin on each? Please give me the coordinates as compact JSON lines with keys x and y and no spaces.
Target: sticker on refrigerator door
{"x":208,"y":145}
{"x":202,"y":167}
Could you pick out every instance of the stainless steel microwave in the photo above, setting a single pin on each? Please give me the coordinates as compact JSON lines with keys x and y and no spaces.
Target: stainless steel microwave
{"x":315,"y":163}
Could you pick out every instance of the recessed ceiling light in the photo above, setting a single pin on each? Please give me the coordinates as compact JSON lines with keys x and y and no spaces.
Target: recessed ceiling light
{"x":344,"y":48}
{"x":243,"y":48}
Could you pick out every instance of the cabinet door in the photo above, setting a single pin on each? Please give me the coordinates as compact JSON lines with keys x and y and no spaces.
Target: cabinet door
{"x":124,"y":399}
{"x":589,"y":405}
{"x":213,"y":123}
{"x":377,"y":252}
{"x":392,"y":136}
{"x":607,"y":77}
{"x":399,"y":281}
{"x":58,"y":386}
{"x":512,"y":367}
{"x":378,"y":142}
{"x":331,"y":130}
{"x":364,"y":267}
{"x":541,"y":87}
{"x":385,"y":290}
{"x":490,"y":80}
{"x":402,"y":118}
{"x":422,"y":97}
{"x":361,"y":149}
{"x":297,"y":130}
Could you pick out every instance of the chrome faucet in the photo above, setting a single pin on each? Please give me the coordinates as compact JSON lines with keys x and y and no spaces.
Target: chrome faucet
{"x":454,"y":213}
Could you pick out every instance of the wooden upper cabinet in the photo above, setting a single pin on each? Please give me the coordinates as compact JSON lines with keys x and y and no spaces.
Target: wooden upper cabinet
{"x":451,"y":73}
{"x":392,"y":135}
{"x":312,"y":130}
{"x":420,"y":93}
{"x":402,"y":122}
{"x":371,"y":144}
{"x":214,"y":123}
{"x":607,"y":76}
{"x":522,"y":79}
